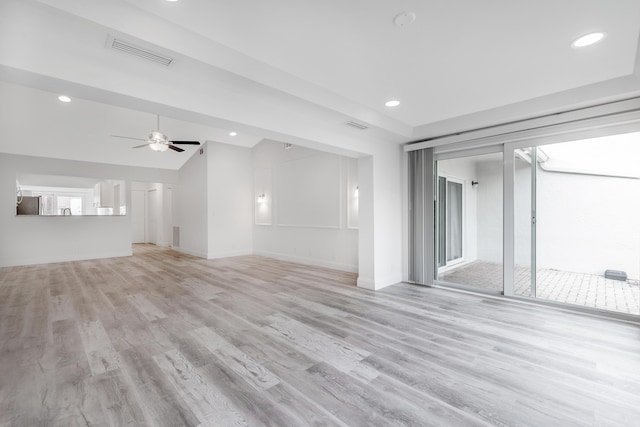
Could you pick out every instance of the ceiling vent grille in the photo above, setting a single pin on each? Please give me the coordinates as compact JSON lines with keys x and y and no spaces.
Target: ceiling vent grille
{"x":357,"y":125}
{"x":140,"y":52}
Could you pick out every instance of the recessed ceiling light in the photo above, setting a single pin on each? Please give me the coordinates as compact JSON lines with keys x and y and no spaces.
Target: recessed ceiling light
{"x":588,"y":39}
{"x":230,"y":133}
{"x":172,"y":1}
{"x":64,"y":98}
{"x":392,"y":103}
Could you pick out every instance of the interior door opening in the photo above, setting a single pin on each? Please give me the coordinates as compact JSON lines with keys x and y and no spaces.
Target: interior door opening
{"x":151,"y":213}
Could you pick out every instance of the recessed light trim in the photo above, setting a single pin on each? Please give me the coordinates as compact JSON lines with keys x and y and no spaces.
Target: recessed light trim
{"x":64,"y":98}
{"x":233,"y":133}
{"x":588,"y":39}
{"x":392,"y":103}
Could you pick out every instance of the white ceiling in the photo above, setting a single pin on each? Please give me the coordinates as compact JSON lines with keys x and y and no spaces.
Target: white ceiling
{"x":34,"y":122}
{"x":459,"y":56}
{"x":297,"y":71}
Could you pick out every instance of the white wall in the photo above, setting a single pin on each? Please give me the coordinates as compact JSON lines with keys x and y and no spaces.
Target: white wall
{"x":490,"y":210}
{"x":38,"y":239}
{"x":588,"y":224}
{"x":138,"y":211}
{"x":212,"y":203}
{"x":305,"y":214}
{"x":380,"y":217}
{"x":230,"y":200}
{"x":190,"y":206}
{"x":485,"y":214}
{"x":366,"y":231}
{"x":585,"y":224}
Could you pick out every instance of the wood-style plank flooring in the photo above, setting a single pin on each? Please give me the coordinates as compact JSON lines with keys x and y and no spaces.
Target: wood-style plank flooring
{"x":162,"y":338}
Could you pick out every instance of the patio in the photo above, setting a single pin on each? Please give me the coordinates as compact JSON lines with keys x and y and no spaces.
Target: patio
{"x":587,"y":290}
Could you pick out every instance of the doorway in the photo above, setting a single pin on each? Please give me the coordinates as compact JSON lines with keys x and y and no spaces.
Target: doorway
{"x":138,"y":216}
{"x":151,"y":213}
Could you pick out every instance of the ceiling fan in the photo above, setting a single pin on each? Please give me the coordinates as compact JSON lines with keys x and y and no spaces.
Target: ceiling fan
{"x":158,"y":141}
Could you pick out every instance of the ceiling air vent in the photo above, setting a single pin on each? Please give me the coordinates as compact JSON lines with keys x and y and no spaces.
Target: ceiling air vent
{"x":357,"y":125}
{"x":140,"y":52}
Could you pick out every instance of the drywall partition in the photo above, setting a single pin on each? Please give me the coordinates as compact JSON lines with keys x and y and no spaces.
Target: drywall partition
{"x":229,"y":200}
{"x":308,"y":191}
{"x":301,"y":206}
{"x":190,"y":206}
{"x":37,"y":239}
{"x":366,"y":237}
{"x":380,"y":217}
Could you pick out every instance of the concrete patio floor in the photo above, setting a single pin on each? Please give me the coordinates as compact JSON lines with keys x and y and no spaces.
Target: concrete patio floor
{"x":588,"y":290}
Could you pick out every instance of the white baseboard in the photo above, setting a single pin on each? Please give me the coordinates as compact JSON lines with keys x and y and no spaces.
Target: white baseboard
{"x":65,"y":258}
{"x":163,"y":244}
{"x":190,"y":252}
{"x":366,"y":283}
{"x":388,"y":281}
{"x":309,"y":261}
{"x":216,"y":255}
{"x":375,"y":285}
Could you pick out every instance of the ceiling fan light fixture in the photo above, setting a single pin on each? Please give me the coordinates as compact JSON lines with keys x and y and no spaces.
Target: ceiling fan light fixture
{"x":157,"y":136}
{"x":158,"y":146}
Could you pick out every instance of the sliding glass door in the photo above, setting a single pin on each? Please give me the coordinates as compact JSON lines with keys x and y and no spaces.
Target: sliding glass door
{"x":450,"y":196}
{"x":567,"y":231}
{"x":576,"y":223}
{"x":468,"y":223}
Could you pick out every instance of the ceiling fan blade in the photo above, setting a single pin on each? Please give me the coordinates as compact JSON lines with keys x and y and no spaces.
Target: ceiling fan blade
{"x":174,"y":148}
{"x":128,"y":137}
{"x":140,"y":146}
{"x":185,"y":142}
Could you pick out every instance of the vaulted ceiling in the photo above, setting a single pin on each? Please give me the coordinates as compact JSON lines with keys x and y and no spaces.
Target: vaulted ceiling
{"x":298,"y":71}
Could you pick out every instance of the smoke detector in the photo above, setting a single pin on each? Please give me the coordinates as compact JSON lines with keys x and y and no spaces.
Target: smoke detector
{"x":404,"y":19}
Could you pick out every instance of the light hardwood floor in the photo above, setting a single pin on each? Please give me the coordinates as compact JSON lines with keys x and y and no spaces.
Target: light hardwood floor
{"x":163,"y":338}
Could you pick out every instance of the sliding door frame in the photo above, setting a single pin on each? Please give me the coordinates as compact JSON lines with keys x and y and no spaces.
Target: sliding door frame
{"x":612,"y":118}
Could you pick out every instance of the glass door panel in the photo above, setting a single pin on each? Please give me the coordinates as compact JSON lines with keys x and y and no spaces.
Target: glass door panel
{"x":469,"y":222}
{"x":524,"y":203}
{"x":453,"y":212}
{"x":584,"y":228}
